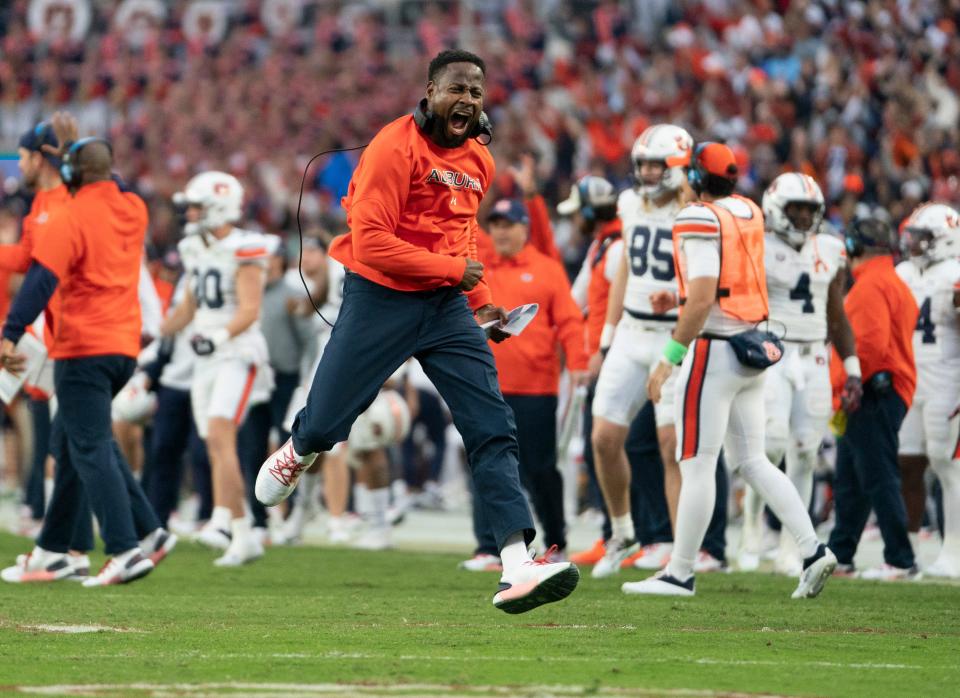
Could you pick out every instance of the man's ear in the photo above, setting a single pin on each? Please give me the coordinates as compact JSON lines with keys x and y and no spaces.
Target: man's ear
{"x":431,"y":90}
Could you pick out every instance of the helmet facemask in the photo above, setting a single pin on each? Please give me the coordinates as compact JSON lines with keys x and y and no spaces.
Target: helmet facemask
{"x":800,"y":220}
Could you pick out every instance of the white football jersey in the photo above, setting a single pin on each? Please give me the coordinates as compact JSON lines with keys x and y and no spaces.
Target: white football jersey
{"x":648,"y":245}
{"x":937,"y":336}
{"x":211,"y":266}
{"x":797,"y":284}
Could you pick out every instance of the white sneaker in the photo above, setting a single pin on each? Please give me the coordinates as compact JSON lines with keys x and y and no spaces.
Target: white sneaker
{"x":39,"y":565}
{"x":889,"y":573}
{"x":748,"y":561}
{"x":943,"y":568}
{"x":535,"y":583}
{"x":212,"y":537}
{"x":618,"y":550}
{"x":482,"y":562}
{"x":240,"y":552}
{"x":816,"y":571}
{"x":158,"y":545}
{"x":660,"y":584}
{"x":655,"y":556}
{"x":80,"y":565}
{"x":374,"y":538}
{"x":124,"y":568}
{"x":708,"y":563}
{"x":280,"y":473}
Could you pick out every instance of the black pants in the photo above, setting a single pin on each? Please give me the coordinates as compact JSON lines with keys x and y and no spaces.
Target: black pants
{"x":377,"y":330}
{"x":88,"y":459}
{"x":868,"y":477}
{"x":40,"y":415}
{"x":253,"y":440}
{"x":173,"y":435}
{"x":284,"y":385}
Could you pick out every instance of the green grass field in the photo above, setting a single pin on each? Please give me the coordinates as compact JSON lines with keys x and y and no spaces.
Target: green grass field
{"x":312,"y":621}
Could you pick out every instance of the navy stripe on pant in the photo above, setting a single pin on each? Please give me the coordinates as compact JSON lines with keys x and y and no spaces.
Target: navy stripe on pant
{"x":88,"y":459}
{"x":377,"y":330}
{"x":868,"y":477}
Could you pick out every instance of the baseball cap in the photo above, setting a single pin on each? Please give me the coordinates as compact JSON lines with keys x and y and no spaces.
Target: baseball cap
{"x":590,"y":191}
{"x":717,"y":159}
{"x":40,"y":135}
{"x":509,"y":210}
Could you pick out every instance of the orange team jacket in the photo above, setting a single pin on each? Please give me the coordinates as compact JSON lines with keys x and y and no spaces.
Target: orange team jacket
{"x":15,"y":259}
{"x":883,"y":315}
{"x":529,"y":364}
{"x":94,"y":244}
{"x":541,"y":232}
{"x":599,"y":288}
{"x":412,"y":211}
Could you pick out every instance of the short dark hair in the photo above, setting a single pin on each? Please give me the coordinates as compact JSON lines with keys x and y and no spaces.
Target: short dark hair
{"x":718,"y":186}
{"x":605,"y":214}
{"x":445,"y":58}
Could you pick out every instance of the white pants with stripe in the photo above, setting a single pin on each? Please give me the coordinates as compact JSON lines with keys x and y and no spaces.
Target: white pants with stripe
{"x":720,"y":403}
{"x":224,"y":388}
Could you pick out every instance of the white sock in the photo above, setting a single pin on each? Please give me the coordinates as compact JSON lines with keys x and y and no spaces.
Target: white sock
{"x":309,"y":484}
{"x":221,"y":518}
{"x":380,"y":502}
{"x":775,"y":488}
{"x":240,"y":529}
{"x":514,"y":552}
{"x":948,"y":472}
{"x":361,"y":500}
{"x":698,"y":493}
{"x":622,"y":527}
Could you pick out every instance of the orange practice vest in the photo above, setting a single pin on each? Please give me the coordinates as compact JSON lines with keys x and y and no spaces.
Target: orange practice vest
{"x":742,"y":287}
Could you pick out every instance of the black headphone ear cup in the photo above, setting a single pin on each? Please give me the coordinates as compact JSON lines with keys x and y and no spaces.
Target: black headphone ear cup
{"x":422,"y":116}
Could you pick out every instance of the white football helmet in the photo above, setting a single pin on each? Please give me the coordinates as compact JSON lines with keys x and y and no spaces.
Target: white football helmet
{"x":933,"y":232}
{"x":792,"y":187}
{"x":219,"y":194}
{"x":385,"y":423}
{"x":134,"y":403}
{"x":664,"y":143}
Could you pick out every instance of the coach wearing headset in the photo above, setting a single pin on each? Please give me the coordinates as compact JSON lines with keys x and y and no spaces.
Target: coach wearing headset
{"x":91,"y":251}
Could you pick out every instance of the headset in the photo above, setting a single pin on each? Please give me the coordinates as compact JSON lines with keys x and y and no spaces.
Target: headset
{"x":858,"y":236}
{"x":586,"y":208}
{"x":69,"y":173}
{"x":695,"y":173}
{"x":482,"y":131}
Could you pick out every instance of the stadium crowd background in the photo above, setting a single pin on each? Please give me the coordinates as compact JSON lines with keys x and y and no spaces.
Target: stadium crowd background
{"x":861,"y":95}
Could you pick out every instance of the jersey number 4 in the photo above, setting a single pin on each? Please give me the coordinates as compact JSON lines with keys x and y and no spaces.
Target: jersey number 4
{"x":925,"y":324}
{"x":801,"y":292}
{"x":640,"y":244}
{"x":206,"y":289}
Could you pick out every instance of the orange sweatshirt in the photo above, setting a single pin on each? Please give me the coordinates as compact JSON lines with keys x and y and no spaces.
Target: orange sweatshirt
{"x":883,"y":315}
{"x":412,"y":211}
{"x":529,"y":364}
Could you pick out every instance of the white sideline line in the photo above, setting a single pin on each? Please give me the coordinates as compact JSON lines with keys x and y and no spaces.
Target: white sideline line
{"x":75,"y":629}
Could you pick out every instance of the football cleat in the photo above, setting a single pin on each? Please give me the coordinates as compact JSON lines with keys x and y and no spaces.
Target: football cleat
{"x":376,"y":537}
{"x":708,"y":563}
{"x":280,"y":473}
{"x":158,"y":545}
{"x":212,"y":537}
{"x":482,"y":562}
{"x":122,"y":569}
{"x":240,"y":552}
{"x":943,"y":568}
{"x":889,"y":573}
{"x":39,"y":565}
{"x":655,"y":556}
{"x":591,"y":556}
{"x":617,"y":551}
{"x":660,"y":584}
{"x":816,"y":571}
{"x":80,"y":565}
{"x":535,"y":583}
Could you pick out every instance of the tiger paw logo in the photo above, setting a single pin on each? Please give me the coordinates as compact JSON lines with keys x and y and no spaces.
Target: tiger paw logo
{"x":773,"y":351}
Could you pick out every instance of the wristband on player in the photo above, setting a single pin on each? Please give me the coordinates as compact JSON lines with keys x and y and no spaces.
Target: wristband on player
{"x":606,"y":337}
{"x":674,"y":352}
{"x":851,"y":365}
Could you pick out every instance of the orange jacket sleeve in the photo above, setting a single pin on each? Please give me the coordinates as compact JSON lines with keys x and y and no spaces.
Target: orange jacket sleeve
{"x":16,"y":257}
{"x":480,"y":295}
{"x":382,"y":183}
{"x":869,"y":314}
{"x":541,"y":232}
{"x":567,"y":318}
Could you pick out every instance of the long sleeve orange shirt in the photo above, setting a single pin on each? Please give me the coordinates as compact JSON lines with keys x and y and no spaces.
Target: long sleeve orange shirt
{"x":529,"y":364}
{"x":883,"y":315}
{"x":16,"y":257}
{"x":412,"y":211}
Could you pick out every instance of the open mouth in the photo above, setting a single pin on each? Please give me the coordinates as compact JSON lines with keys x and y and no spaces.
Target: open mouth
{"x":459,"y":120}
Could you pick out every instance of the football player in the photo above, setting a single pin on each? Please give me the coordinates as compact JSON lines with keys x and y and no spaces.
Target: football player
{"x":931,"y":427}
{"x":635,"y":332}
{"x":806,"y":277}
{"x":226,"y":267}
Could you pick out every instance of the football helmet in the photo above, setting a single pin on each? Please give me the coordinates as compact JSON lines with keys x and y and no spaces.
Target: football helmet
{"x":788,"y":188}
{"x":384,"y":423}
{"x":932,"y":232}
{"x":664,"y":143}
{"x":218,"y":194}
{"x":134,"y":403}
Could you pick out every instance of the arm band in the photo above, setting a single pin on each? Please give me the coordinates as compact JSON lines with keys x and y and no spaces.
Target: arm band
{"x":674,"y":352}
{"x":851,"y":365}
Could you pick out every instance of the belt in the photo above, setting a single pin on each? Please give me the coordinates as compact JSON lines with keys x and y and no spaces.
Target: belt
{"x":806,"y":348}
{"x":649,"y":316}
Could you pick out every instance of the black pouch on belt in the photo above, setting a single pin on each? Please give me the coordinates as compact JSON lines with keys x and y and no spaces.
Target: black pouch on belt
{"x":757,"y":348}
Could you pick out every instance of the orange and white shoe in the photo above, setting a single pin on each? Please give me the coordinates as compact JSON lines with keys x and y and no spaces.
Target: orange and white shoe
{"x":280,"y":473}
{"x":655,"y":556}
{"x":590,"y":556}
{"x":482,"y":562}
{"x":535,"y":583}
{"x":39,"y":565}
{"x":126,"y":567}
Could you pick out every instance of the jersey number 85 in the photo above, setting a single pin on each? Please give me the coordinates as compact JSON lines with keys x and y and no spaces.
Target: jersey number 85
{"x":642,"y":239}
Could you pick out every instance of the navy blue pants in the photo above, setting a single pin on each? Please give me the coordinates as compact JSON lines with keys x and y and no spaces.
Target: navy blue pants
{"x":377,"y":330}
{"x":253,"y":441}
{"x":40,"y":416}
{"x":284,"y":385}
{"x":868,"y":477}
{"x":174,"y":433}
{"x":88,"y":459}
{"x":536,"y":418}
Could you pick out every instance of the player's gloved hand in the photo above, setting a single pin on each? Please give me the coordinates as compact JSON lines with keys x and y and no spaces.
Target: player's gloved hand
{"x":852,"y":394}
{"x":206,"y":344}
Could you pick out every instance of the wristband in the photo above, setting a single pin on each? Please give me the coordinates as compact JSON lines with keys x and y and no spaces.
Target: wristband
{"x":606,"y":337}
{"x":220,"y":336}
{"x":851,"y":365}
{"x":674,"y":352}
